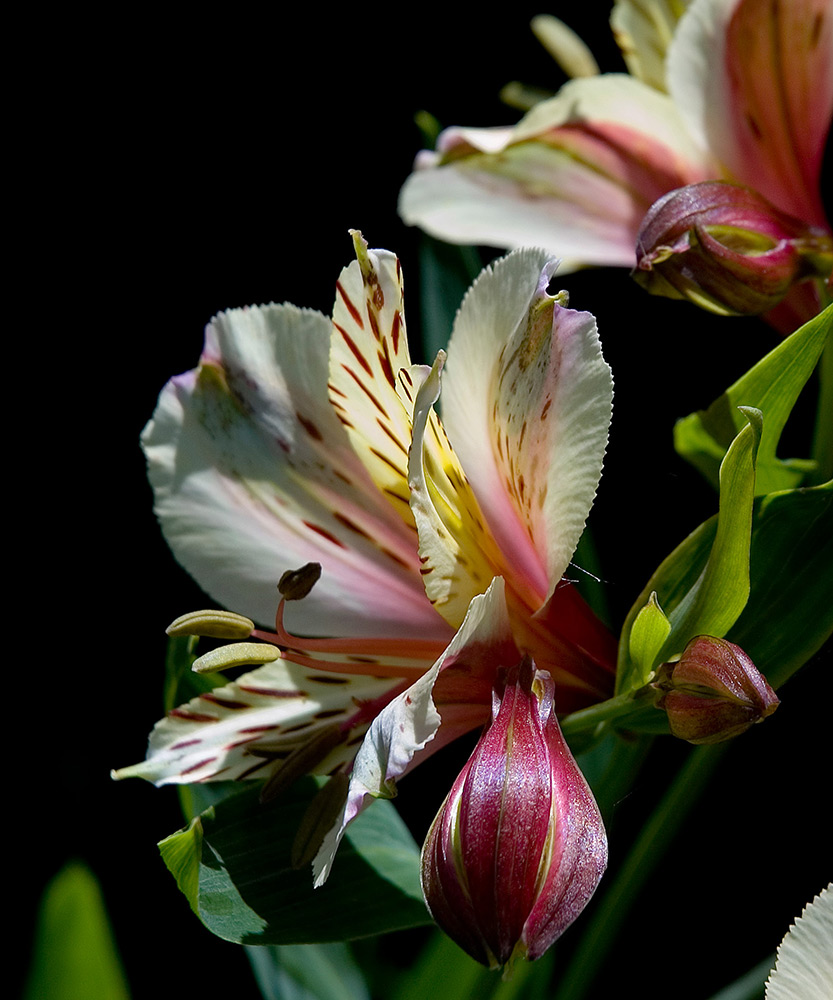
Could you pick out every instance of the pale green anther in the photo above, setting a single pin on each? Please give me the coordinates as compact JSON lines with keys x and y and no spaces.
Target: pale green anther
{"x":212,"y":624}
{"x":238,"y":654}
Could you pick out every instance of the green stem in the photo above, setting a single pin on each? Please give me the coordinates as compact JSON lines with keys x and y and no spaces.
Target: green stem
{"x":613,"y":908}
{"x":614,"y":708}
{"x":823,"y":436}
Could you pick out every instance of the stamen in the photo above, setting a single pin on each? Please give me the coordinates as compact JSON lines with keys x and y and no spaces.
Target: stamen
{"x":390,"y":657}
{"x":238,"y":654}
{"x":212,"y":624}
{"x":319,"y":819}
{"x":295,"y":584}
{"x":303,"y":760}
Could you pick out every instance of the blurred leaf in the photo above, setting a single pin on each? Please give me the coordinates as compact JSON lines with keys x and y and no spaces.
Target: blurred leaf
{"x":446,"y":272}
{"x":789,"y":615}
{"x":614,"y":901}
{"x":307,"y":972}
{"x":247,"y":890}
{"x":443,"y":970}
{"x":703,"y":585}
{"x":772,"y":386}
{"x":75,"y":956}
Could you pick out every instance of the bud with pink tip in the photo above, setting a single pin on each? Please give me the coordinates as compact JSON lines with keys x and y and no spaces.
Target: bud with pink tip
{"x":518,"y":847}
{"x":713,"y":692}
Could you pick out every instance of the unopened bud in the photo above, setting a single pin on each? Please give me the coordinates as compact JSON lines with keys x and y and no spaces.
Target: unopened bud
{"x":726,"y":248}
{"x":713,"y":692}
{"x":518,"y":847}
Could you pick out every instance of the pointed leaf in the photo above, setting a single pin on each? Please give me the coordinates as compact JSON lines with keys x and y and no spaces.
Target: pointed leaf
{"x":248,"y":892}
{"x":648,"y":635}
{"x":789,"y":615}
{"x":704,"y":584}
{"x":772,"y":386}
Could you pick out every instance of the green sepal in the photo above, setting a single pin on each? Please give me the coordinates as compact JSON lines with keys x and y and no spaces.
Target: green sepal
{"x":703,"y":586}
{"x":772,"y":386}
{"x":233,"y":863}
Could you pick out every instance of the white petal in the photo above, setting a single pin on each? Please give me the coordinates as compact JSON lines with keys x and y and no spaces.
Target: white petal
{"x":254,"y":474}
{"x":576,"y":175}
{"x":804,"y":967}
{"x":281,"y":702}
{"x":527,"y":404}
{"x":404,"y":727}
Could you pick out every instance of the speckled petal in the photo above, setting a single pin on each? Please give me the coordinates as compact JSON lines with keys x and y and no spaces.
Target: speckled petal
{"x":253,"y":474}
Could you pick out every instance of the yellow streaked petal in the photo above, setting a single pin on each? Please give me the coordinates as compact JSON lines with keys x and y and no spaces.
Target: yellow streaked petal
{"x":369,"y":347}
{"x":457,"y":553}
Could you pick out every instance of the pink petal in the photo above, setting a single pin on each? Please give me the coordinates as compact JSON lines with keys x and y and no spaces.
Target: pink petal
{"x":754,"y":80}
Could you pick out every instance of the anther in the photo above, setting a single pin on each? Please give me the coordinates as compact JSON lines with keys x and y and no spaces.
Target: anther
{"x":238,"y":654}
{"x":213,"y":624}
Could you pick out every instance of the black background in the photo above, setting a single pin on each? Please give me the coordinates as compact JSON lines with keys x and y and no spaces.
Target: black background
{"x":173,"y":166}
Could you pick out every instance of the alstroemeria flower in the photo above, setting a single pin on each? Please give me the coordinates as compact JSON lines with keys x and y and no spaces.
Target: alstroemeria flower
{"x":742,"y":91}
{"x":301,"y":439}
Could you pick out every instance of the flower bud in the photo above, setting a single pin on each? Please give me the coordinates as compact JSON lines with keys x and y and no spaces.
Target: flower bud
{"x":727,"y":249}
{"x":518,"y":847}
{"x":713,"y":692}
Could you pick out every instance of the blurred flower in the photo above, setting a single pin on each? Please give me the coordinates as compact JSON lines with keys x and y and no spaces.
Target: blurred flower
{"x":713,"y":692}
{"x":727,"y":249}
{"x":739,"y":90}
{"x":518,"y":847}
{"x":305,"y":441}
{"x":804,"y":968}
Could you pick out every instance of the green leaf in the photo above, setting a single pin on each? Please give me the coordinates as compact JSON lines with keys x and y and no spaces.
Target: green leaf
{"x":308,"y":972}
{"x":75,"y":956}
{"x":703,"y":585}
{"x":772,"y":386}
{"x":789,"y":615}
{"x":247,"y":890}
{"x":647,"y":637}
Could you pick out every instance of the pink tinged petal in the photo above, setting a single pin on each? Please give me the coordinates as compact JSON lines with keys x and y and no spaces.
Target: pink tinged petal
{"x":754,"y":80}
{"x":527,"y":406}
{"x":253,"y":474}
{"x":281,"y":703}
{"x":402,"y":734}
{"x":575,"y":176}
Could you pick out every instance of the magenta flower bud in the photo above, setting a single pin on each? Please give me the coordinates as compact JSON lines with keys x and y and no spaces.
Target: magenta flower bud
{"x":518,"y":847}
{"x":713,"y":692}
{"x":727,"y":249}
